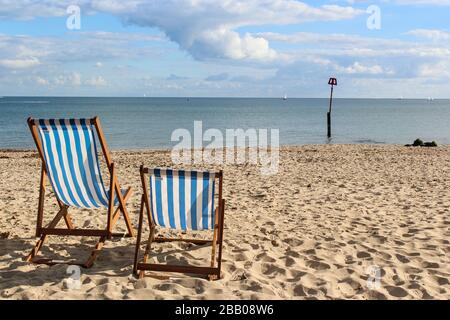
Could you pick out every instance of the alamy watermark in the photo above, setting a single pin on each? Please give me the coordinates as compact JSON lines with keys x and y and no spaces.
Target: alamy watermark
{"x":73,"y":282}
{"x":374,"y":279}
{"x":253,"y":146}
{"x":73,"y":21}
{"x":374,"y":19}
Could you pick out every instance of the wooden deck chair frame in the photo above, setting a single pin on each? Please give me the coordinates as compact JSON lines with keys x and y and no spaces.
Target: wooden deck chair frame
{"x":112,"y":217}
{"x":213,"y":271}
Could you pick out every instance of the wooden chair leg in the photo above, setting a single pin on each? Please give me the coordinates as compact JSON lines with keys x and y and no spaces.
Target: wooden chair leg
{"x":112,"y":221}
{"x":220,"y":236}
{"x":214,"y":245}
{"x":68,"y":221}
{"x":111,"y":200}
{"x":213,"y":258}
{"x":139,"y":235}
{"x":62,"y":212}
{"x":67,"y":218}
{"x":118,"y":210}
{"x":147,"y":250}
{"x":41,"y":201}
{"x":122,"y":205}
{"x":37,"y":247}
{"x":41,"y":241}
{"x":94,"y":254}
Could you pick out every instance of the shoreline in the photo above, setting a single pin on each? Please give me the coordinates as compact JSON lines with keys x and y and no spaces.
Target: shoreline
{"x":282,"y":147}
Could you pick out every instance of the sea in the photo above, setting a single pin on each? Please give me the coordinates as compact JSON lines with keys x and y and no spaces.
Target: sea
{"x":142,"y":123}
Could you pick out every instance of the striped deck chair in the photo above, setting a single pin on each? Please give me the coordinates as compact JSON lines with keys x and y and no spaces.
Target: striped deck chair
{"x":68,"y":151}
{"x":181,"y":200}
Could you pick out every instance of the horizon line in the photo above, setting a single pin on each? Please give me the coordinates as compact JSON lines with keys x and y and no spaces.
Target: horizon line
{"x":220,"y":97}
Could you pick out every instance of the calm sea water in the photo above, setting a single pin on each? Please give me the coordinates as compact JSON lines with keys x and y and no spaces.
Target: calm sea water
{"x":149,"y":122}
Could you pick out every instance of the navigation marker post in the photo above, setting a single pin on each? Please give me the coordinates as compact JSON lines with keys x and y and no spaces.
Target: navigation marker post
{"x":332,"y":82}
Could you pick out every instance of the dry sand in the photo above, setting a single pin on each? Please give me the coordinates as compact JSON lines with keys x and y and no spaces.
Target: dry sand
{"x":311,"y":231}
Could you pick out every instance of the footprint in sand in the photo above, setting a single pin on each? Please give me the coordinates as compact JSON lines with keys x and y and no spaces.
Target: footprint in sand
{"x":171,"y":288}
{"x":402,"y":259}
{"x":295,"y":275}
{"x":240,"y":257}
{"x":414,"y":254}
{"x":363,"y":255}
{"x":317,"y":265}
{"x":376,"y":295}
{"x":264,"y":257}
{"x":291,"y":253}
{"x":271,"y":269}
{"x":397,"y":292}
{"x":288,"y":262}
{"x":430,"y":265}
{"x":442,"y":281}
{"x":299,"y":291}
{"x":398,"y":281}
{"x":293,"y":242}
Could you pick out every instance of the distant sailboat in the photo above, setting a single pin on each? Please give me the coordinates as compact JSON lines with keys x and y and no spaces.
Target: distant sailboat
{"x":430,"y":99}
{"x":285,"y":97}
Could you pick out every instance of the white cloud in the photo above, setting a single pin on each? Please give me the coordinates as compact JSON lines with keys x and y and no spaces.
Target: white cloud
{"x":42,"y":81}
{"x":425,"y":2}
{"x":92,"y":47}
{"x":19,"y":63}
{"x":204,"y":28}
{"x":232,"y":13}
{"x":435,"y":35}
{"x":207,"y":28}
{"x":71,"y":79}
{"x":212,"y":30}
{"x":98,"y":81}
{"x":218,"y":77}
{"x":30,"y":9}
{"x":174,"y":77}
{"x":122,"y":36}
{"x":340,"y":40}
{"x":75,"y":79}
{"x":223,"y":43}
{"x":405,"y":2}
{"x":435,"y":70}
{"x":358,"y":68}
{"x":358,"y":56}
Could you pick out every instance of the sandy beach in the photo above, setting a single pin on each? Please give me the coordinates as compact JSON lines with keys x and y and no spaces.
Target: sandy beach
{"x":312,"y":231}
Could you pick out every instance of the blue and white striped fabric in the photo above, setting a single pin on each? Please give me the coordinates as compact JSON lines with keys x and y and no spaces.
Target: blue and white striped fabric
{"x":72,"y":165}
{"x":182,"y":200}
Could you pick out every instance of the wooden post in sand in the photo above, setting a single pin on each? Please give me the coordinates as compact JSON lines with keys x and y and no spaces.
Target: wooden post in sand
{"x":332,"y":82}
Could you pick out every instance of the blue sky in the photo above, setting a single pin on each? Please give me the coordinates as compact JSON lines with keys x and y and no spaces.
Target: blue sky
{"x":226,"y":48}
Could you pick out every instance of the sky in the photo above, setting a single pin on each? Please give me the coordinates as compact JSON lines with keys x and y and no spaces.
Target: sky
{"x":225,"y":48}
